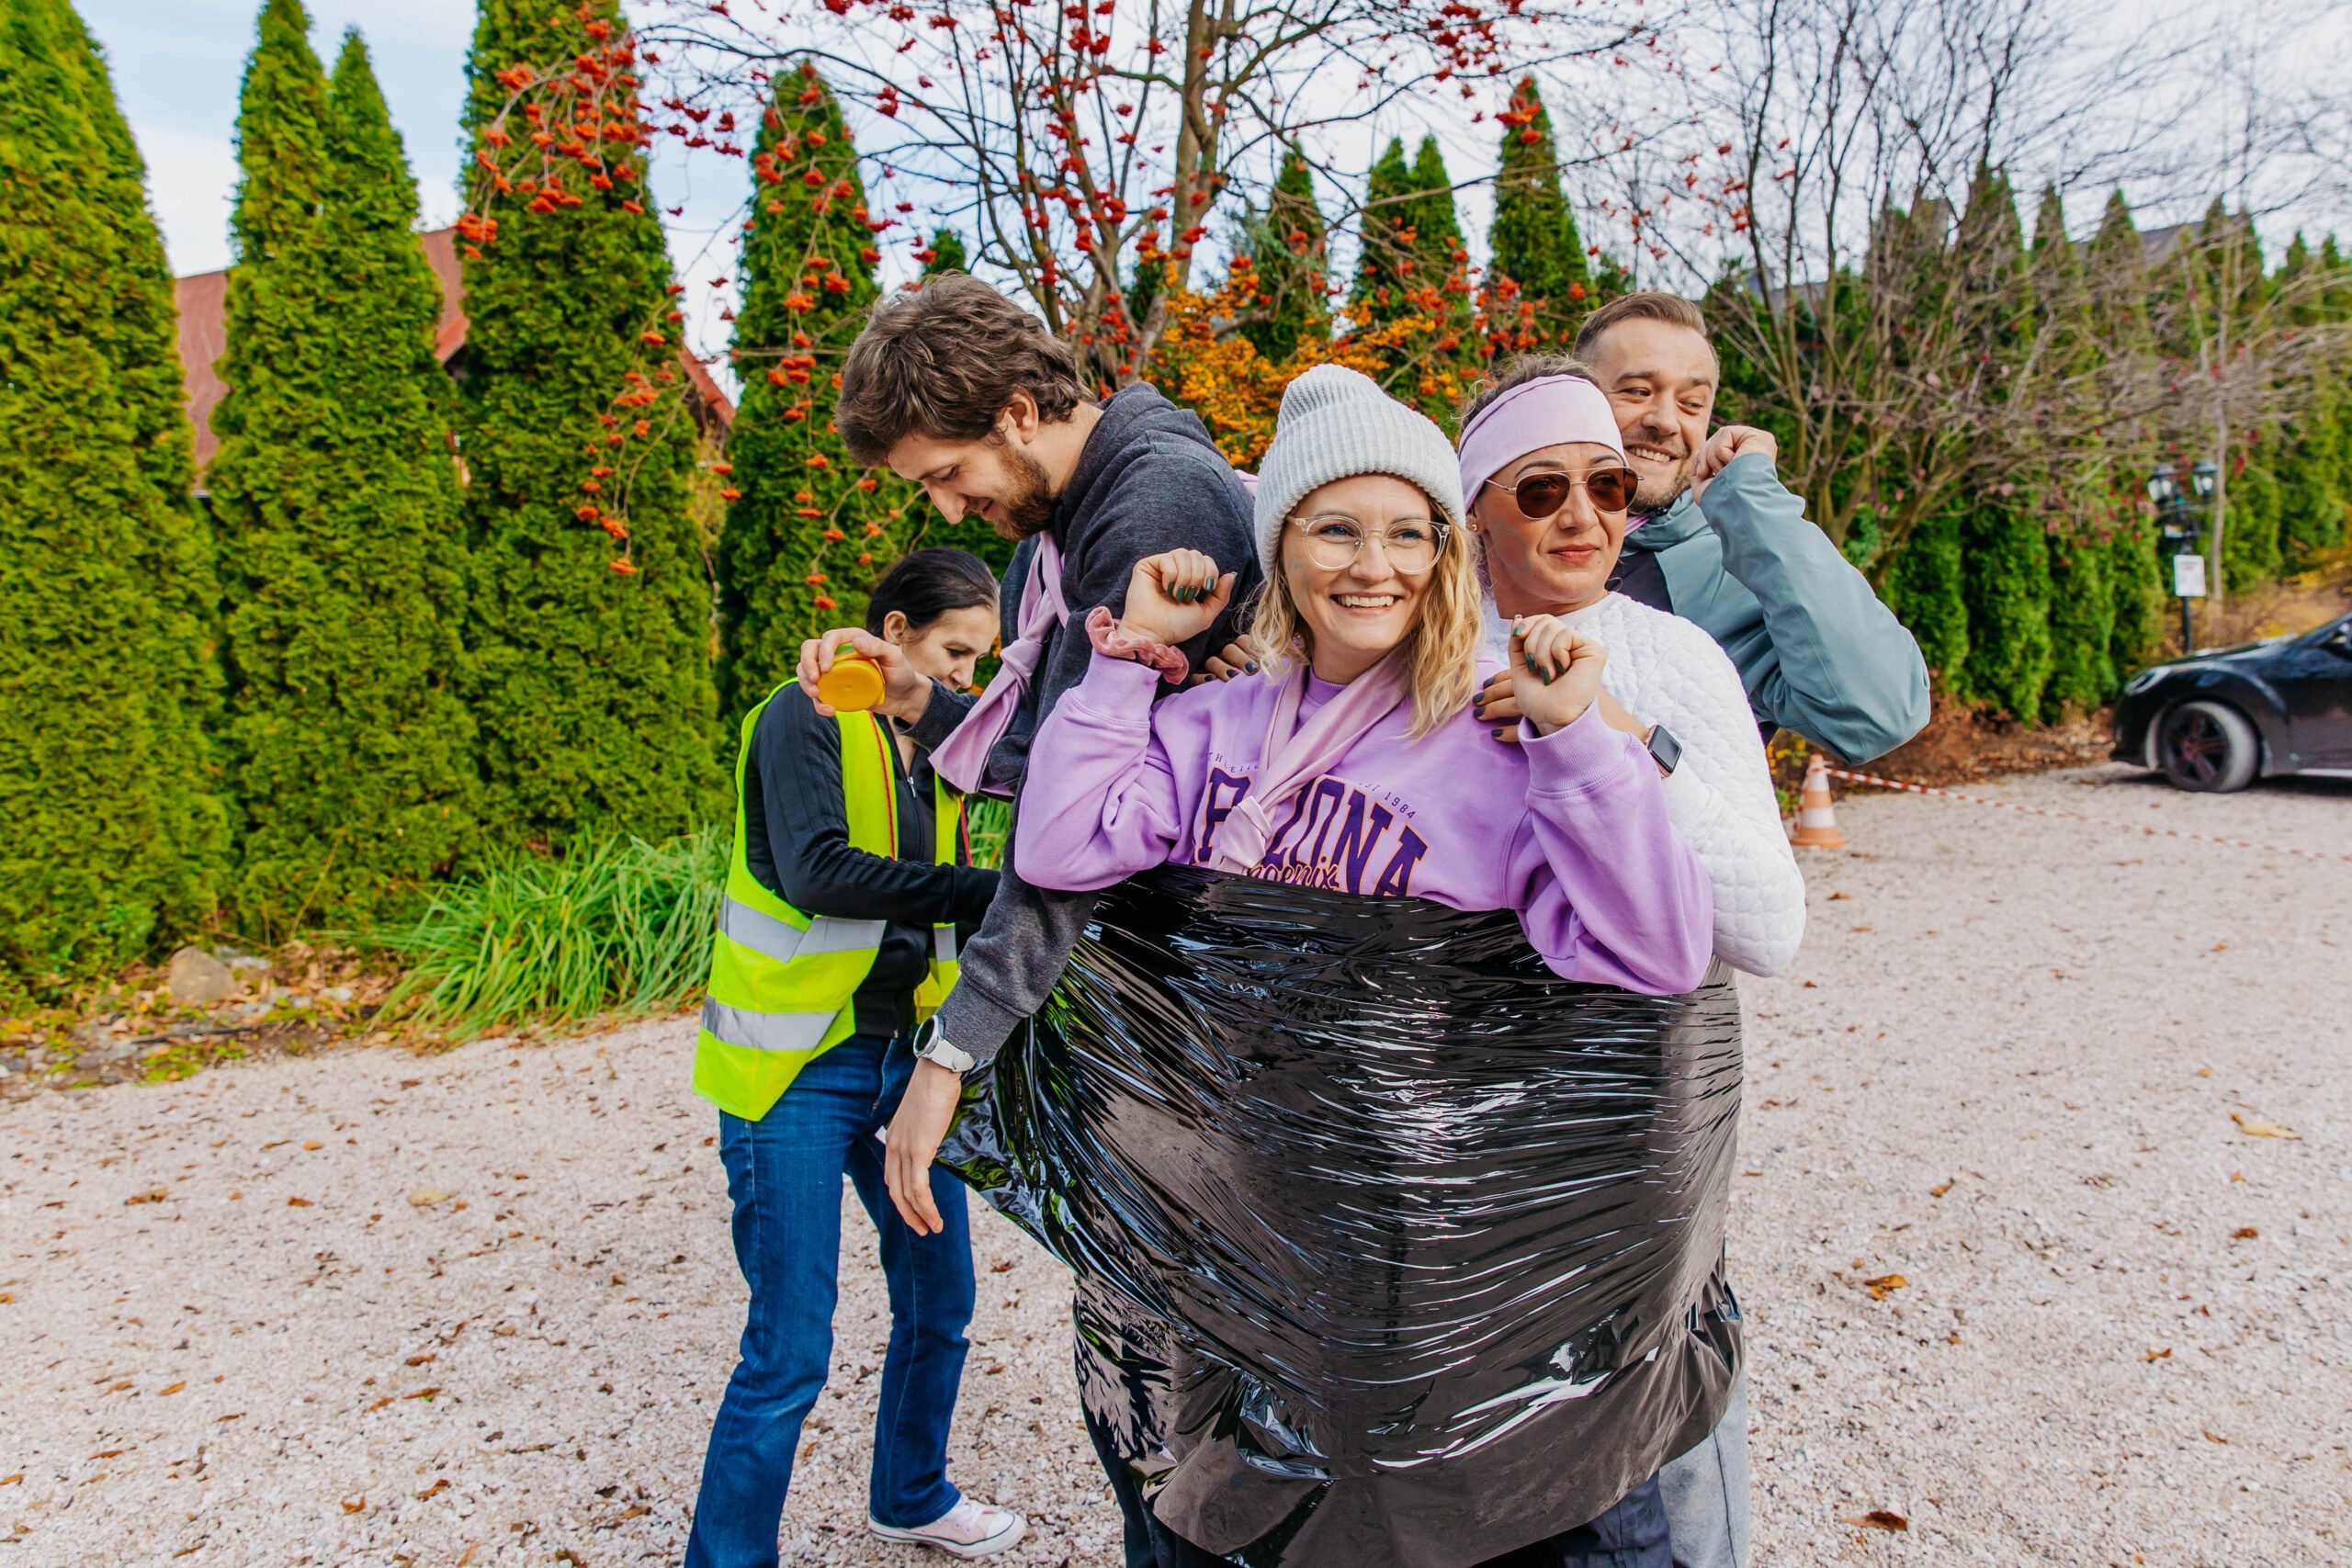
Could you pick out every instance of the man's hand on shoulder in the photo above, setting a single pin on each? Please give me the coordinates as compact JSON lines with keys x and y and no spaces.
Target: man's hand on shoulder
{"x":1732,"y":441}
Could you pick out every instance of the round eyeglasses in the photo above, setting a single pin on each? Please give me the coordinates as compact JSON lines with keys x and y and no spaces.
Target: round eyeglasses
{"x":1334,"y":540}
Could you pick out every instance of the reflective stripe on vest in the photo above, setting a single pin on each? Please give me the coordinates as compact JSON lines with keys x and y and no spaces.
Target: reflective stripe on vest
{"x":783,"y":983}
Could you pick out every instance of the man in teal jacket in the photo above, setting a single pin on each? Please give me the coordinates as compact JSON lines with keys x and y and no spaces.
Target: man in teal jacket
{"x":1719,"y":540}
{"x":1722,"y":542}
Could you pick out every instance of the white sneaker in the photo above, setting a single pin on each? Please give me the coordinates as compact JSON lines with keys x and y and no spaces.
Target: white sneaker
{"x":968,"y":1529}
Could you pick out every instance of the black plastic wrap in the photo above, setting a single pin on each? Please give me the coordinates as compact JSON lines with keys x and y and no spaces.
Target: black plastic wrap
{"x":1395,"y":1251}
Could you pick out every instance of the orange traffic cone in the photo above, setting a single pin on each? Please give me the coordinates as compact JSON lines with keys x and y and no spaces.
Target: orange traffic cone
{"x":1816,"y":821}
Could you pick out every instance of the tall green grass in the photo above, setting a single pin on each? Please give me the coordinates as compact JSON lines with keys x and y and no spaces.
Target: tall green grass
{"x":989,"y":821}
{"x":613,"y":928}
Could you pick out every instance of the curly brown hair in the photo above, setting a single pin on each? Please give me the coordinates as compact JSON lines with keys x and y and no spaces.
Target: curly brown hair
{"x":943,"y":361}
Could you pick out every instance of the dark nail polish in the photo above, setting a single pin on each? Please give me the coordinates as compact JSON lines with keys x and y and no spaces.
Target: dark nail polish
{"x":1498,"y":734}
{"x":1253,"y":667}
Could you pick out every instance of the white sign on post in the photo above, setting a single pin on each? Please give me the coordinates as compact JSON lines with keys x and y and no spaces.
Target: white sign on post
{"x":2189,"y":577}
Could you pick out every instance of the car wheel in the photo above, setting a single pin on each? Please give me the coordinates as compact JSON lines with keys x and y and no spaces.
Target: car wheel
{"x":2207,"y":748}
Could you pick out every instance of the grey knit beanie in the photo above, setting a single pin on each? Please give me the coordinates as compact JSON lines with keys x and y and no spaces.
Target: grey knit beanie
{"x":1335,"y":423}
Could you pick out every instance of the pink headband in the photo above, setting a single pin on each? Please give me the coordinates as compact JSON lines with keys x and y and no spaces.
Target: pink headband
{"x":1531,"y":416}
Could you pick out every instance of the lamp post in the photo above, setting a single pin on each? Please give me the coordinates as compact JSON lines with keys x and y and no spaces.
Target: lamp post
{"x":2177,"y":526}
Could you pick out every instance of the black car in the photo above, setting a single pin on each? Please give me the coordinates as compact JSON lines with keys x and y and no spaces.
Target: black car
{"x":2220,"y":719}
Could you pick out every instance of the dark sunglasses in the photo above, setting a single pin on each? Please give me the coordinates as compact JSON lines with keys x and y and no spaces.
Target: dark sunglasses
{"x":1540,"y":495}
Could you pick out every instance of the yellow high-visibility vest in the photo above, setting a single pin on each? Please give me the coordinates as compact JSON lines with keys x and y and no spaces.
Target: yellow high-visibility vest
{"x":781,"y":981}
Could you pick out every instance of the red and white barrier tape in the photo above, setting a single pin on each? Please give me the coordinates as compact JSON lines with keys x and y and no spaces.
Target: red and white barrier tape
{"x":1873,"y":780}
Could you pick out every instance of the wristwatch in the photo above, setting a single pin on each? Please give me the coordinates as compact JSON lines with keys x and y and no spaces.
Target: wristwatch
{"x":931,"y":1046}
{"x":1664,"y":749}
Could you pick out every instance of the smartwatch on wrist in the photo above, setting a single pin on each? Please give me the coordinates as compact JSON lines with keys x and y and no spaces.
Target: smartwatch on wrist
{"x":1664,"y":749}
{"x":931,"y":1046}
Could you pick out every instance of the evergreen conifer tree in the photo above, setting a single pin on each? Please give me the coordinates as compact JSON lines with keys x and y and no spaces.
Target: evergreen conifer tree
{"x":2214,"y":283}
{"x":807,"y":531}
{"x":592,"y":655}
{"x":1287,"y":246}
{"x":177,"y":553}
{"x":1538,"y":286}
{"x":1383,"y":291}
{"x":1414,"y":267}
{"x":2003,"y":531}
{"x":2076,"y":493}
{"x":2119,"y":298}
{"x":105,"y":781}
{"x":335,"y":488}
{"x":1922,"y":581}
{"x":1925,"y":588}
{"x":2316,"y":463}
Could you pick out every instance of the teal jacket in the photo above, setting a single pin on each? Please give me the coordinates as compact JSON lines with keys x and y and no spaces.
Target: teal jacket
{"x":1817,"y":651}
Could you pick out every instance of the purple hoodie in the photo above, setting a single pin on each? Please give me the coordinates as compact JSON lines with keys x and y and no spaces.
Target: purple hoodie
{"x":1568,"y":831}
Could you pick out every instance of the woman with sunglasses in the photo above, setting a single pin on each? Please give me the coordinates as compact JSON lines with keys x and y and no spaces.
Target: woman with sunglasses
{"x":1548,"y":487}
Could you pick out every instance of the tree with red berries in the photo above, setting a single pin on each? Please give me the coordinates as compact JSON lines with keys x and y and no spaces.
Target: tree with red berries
{"x":1083,"y":148}
{"x":806,"y":532}
{"x":590,"y":611}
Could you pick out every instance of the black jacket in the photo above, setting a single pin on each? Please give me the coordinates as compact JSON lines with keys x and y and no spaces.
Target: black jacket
{"x":1148,"y":479}
{"x":797,"y":842}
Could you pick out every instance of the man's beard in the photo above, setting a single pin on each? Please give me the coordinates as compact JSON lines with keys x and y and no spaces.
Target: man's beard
{"x":1029,"y":509}
{"x":1653,"y":496}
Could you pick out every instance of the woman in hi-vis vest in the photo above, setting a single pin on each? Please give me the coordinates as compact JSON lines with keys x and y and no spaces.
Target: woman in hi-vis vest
{"x":850,"y":874}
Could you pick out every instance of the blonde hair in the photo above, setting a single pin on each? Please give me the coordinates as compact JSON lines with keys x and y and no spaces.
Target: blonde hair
{"x":1442,"y":651}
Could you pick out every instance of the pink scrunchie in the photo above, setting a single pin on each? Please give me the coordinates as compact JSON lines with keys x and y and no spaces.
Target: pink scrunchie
{"x":1111,"y":642}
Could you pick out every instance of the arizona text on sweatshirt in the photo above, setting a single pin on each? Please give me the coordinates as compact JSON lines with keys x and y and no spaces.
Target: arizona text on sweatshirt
{"x":1568,"y":832}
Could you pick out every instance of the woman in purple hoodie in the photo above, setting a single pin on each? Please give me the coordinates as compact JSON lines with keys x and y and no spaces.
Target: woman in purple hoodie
{"x":1353,"y":764}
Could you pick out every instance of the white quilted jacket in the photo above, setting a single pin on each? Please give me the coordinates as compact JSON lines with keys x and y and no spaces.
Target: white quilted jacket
{"x":1667,"y":670}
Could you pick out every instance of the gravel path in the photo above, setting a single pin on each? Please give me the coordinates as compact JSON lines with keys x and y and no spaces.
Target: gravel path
{"x":2005,"y":1071}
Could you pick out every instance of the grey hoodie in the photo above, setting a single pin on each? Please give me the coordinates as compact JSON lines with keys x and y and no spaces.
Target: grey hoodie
{"x":1148,"y":479}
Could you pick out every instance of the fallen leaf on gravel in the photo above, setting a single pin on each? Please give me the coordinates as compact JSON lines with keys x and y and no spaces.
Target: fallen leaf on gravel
{"x":12,"y":1480}
{"x":2244,"y":1233}
{"x":1860,"y":927}
{"x":173,"y":1389}
{"x":1835,"y":896}
{"x":2256,"y":1127}
{"x":425,"y":1197}
{"x":420,"y":1359}
{"x":2163,"y":1355}
{"x":311,"y":1144}
{"x":359,"y":1507}
{"x":1880,"y":1520}
{"x":234,"y":1416}
{"x":1883,"y":1283}
{"x":379,"y":1404}
{"x":435,"y":1490}
{"x":157,"y":1196}
{"x":7,"y":1296}
{"x":108,"y":1453}
{"x":1001,"y":1267}
{"x":2211,"y":1436}
{"x":466,"y":1560}
{"x":422,"y":1394}
{"x":298,"y":1204}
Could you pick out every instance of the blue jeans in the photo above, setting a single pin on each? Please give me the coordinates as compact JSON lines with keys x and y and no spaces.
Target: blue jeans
{"x":784,"y":1173}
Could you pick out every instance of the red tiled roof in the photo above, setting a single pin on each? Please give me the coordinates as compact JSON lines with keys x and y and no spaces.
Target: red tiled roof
{"x":202,"y":298}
